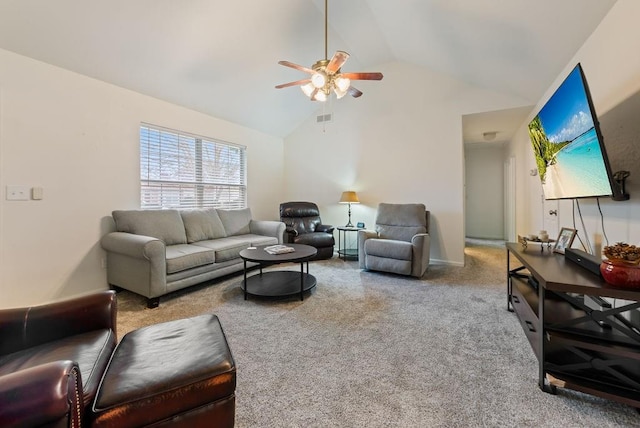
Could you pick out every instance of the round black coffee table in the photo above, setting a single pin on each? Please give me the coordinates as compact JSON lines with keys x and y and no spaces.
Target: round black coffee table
{"x":278,"y":283}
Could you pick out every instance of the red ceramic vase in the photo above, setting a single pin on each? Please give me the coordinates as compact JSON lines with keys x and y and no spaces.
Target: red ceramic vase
{"x":620,"y":273}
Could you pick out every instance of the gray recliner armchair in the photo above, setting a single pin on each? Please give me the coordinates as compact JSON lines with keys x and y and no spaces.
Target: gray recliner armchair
{"x":400,"y":243}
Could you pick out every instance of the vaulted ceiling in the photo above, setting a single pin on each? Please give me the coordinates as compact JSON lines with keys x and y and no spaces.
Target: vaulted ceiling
{"x":220,"y":57}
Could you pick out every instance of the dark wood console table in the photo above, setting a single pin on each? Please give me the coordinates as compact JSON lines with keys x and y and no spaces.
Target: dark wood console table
{"x":583,"y":339}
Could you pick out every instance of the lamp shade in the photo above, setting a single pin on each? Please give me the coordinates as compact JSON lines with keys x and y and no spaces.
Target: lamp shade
{"x":349,"y":197}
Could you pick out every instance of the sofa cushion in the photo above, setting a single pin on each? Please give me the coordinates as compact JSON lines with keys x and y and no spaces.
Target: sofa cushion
{"x":236,"y":222}
{"x":174,"y":373}
{"x":315,"y":239}
{"x":165,"y":225}
{"x":225,"y":248}
{"x":229,"y":248}
{"x":400,"y":221}
{"x":385,"y":264}
{"x":400,"y":233}
{"x":184,"y":256}
{"x":90,"y":350}
{"x":388,"y":248}
{"x":201,"y":225}
{"x":256,"y":240}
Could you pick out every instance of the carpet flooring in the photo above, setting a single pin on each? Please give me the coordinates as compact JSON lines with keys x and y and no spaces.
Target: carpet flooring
{"x":368,"y":349}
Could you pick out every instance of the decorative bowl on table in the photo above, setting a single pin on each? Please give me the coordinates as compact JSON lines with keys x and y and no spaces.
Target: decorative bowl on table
{"x":622,"y":265}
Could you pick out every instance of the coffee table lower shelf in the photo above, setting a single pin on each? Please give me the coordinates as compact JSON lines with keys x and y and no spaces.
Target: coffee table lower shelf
{"x":278,"y":283}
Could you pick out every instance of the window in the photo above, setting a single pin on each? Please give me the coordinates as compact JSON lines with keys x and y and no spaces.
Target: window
{"x":181,"y":170}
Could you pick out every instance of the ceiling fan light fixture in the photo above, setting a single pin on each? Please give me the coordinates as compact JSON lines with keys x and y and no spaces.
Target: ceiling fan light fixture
{"x":308,"y":89}
{"x":342,"y":83}
{"x":339,"y":93}
{"x":319,"y":79}
{"x":320,"y":95}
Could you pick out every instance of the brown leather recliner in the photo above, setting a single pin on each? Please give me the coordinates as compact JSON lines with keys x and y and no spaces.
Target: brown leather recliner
{"x":304,"y":226}
{"x":52,"y":358}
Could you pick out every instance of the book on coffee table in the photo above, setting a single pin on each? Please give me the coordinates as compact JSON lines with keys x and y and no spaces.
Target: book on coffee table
{"x":279,"y":249}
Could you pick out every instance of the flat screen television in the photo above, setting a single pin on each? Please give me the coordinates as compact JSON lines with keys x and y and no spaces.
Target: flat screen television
{"x":567,"y":143}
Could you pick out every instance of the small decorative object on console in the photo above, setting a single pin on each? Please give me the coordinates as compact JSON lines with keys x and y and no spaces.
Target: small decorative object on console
{"x":524,"y":240}
{"x":543,"y":236}
{"x":623,"y":252}
{"x":565,"y":239}
{"x":622,"y":266}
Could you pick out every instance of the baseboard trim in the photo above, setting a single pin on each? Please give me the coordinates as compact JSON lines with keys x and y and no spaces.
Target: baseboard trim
{"x":445,"y":262}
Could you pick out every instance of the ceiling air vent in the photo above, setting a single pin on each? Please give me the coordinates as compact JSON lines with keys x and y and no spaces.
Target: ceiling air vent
{"x":323,"y":118}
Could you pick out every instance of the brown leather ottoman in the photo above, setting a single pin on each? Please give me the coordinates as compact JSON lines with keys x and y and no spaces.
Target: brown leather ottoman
{"x":178,"y":373}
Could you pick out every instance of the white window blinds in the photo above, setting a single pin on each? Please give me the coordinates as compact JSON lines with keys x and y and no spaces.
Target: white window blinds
{"x":181,"y":170}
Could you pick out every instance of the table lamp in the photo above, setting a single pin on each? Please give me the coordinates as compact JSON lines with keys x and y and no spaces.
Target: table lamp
{"x":349,"y":197}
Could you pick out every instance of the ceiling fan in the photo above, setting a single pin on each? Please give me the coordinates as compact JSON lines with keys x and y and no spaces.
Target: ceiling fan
{"x":326,"y":76}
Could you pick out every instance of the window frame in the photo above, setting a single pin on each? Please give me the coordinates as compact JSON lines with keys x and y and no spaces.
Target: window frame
{"x":182,"y":170}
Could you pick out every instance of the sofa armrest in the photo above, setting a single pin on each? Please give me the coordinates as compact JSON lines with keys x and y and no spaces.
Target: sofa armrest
{"x":27,"y":327}
{"x":136,"y":262}
{"x":268,"y":228}
{"x":325,"y":228}
{"x":136,"y":246}
{"x":45,"y":395}
{"x":421,"y":251}
{"x":363,"y":235}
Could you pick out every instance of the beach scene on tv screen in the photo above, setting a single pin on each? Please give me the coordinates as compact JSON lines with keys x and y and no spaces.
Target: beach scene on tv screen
{"x":566,"y":144}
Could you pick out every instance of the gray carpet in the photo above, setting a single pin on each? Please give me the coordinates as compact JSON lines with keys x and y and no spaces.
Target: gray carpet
{"x":368,"y":349}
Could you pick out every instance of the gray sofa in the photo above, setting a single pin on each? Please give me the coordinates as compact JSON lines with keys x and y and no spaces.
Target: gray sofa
{"x":400,"y":243}
{"x":155,"y":252}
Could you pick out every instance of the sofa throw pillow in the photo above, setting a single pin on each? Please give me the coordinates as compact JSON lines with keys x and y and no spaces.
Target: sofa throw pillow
{"x":236,"y":222}
{"x":201,"y":225}
{"x":165,"y":225}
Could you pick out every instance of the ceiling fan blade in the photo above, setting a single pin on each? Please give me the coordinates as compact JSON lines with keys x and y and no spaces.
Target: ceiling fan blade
{"x":296,"y":66}
{"x":297,"y":82}
{"x":339,"y":58}
{"x":363,"y":76}
{"x":355,"y":93}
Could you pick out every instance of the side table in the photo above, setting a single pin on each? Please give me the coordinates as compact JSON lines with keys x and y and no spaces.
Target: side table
{"x":345,"y":249}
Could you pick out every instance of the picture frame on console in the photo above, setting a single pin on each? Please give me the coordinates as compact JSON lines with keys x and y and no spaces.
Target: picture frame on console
{"x":565,"y":239}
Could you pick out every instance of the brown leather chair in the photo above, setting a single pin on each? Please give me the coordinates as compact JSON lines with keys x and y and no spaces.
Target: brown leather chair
{"x":304,"y":226}
{"x":52,"y":358}
{"x":60,"y":367}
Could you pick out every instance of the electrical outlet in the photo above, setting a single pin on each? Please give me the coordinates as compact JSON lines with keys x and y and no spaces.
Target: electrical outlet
{"x":17,"y":193}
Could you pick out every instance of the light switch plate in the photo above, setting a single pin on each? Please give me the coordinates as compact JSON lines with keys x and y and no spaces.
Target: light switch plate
{"x":17,"y":193}
{"x":36,"y":193}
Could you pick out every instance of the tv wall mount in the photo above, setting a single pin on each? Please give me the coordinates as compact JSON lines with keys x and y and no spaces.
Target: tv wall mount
{"x":619,"y":193}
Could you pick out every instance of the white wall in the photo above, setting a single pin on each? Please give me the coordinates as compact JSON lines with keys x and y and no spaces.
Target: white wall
{"x":612,"y":68}
{"x":484,"y":190}
{"x":400,"y":142}
{"x":78,"y":138}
